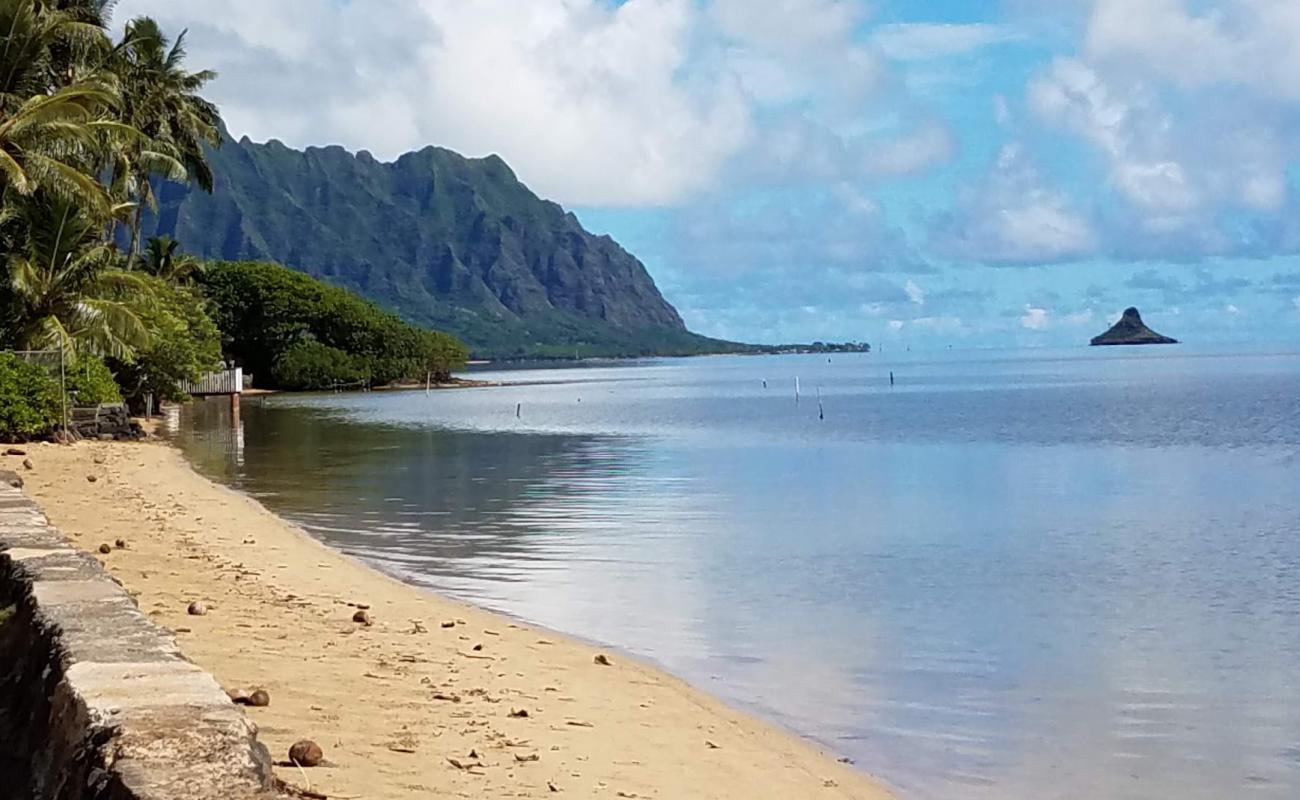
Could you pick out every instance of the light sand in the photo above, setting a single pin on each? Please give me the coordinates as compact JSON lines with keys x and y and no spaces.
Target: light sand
{"x":394,"y":702}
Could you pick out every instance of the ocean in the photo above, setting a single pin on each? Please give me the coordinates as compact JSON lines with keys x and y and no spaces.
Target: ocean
{"x":1024,"y":574}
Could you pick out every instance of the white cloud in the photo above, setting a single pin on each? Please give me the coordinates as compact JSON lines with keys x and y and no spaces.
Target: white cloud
{"x":921,"y":41}
{"x":788,"y":26}
{"x":1129,"y":133}
{"x":591,"y":103}
{"x":914,"y":293}
{"x":1232,"y":309}
{"x":1012,"y":216}
{"x":639,"y":103}
{"x":1175,"y":171}
{"x":1243,"y":43}
{"x":1079,"y":318}
{"x":796,"y":149}
{"x":1035,"y":319}
{"x":910,"y":153}
{"x":1296,"y":302}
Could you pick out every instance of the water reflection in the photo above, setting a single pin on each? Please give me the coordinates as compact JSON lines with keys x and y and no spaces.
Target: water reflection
{"x":1012,"y":578}
{"x":430,"y":504}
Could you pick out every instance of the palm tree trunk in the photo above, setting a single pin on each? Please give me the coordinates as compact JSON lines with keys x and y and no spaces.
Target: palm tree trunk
{"x":136,"y":222}
{"x":110,"y":235}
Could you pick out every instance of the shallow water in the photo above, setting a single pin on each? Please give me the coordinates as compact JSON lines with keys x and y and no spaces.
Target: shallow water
{"x":1035,"y":574}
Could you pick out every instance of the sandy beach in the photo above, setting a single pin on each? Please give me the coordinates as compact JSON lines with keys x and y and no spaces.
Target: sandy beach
{"x":433,"y":698}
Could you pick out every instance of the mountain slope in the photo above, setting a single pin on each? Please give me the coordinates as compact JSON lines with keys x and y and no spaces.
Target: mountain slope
{"x":453,"y":243}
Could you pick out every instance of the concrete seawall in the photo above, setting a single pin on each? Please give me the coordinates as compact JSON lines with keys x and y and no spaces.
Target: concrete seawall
{"x":96,"y":701}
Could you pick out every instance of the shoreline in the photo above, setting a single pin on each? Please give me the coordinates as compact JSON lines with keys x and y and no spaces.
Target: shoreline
{"x":435,"y":696}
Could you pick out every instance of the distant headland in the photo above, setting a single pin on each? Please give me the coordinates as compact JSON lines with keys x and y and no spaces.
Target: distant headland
{"x":1131,"y":330}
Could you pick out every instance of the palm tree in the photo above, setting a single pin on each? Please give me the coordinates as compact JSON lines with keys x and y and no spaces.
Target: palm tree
{"x":46,"y":141}
{"x":68,"y":292}
{"x":160,"y":100}
{"x":48,"y":44}
{"x":162,"y":260}
{"x":53,"y":120}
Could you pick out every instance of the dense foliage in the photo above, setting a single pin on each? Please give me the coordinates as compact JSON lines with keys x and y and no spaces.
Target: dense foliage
{"x":307,"y":364}
{"x":89,"y":382}
{"x":306,"y":334}
{"x":185,"y":344}
{"x":30,"y":404}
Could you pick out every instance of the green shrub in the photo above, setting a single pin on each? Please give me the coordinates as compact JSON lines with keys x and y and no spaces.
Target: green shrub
{"x":309,"y":365}
{"x":90,"y":383}
{"x":30,"y":404}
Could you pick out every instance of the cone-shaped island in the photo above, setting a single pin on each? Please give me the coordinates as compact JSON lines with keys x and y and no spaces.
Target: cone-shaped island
{"x":1131,"y":330}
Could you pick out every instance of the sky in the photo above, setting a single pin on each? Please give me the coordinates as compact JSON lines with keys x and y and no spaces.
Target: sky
{"x":928,"y":172}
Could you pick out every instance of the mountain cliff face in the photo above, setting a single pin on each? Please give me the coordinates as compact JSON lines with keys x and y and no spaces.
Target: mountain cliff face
{"x":449,"y":242}
{"x":1131,"y":330}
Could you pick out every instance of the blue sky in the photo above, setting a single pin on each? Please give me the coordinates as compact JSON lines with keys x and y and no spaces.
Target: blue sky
{"x":930,"y":172}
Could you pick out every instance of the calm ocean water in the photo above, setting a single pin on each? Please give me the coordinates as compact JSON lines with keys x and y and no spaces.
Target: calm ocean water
{"x":1025,"y":575}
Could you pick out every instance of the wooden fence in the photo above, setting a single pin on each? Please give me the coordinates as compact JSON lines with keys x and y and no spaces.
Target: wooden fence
{"x":229,"y":381}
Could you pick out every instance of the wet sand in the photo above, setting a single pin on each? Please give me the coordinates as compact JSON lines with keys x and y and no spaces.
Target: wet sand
{"x":433,"y":698}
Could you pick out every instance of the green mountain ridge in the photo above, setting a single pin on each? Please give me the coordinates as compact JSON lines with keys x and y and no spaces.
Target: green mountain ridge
{"x":449,"y":242}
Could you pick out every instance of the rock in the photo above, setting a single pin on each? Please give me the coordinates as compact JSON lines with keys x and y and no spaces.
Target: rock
{"x":362,"y":617}
{"x":1131,"y":330}
{"x":519,"y":713}
{"x":105,"y":548}
{"x":197,"y":609}
{"x":28,"y":465}
{"x":258,"y":698}
{"x":120,"y":544}
{"x":107,"y":437}
{"x":602,"y":660}
{"x":449,"y":624}
{"x":92,"y":478}
{"x":11,"y":479}
{"x":306,"y":753}
{"x":15,"y":451}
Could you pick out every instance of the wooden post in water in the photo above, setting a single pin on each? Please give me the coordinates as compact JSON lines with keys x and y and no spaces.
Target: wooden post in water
{"x":891,"y":378}
{"x":519,"y":410}
{"x":821,"y":410}
{"x":428,"y":383}
{"x":796,"y":389}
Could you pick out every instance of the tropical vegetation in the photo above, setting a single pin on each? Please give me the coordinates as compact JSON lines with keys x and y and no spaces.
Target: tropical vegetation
{"x":29,"y":398}
{"x":90,"y":382}
{"x":90,"y":129}
{"x":303,"y":333}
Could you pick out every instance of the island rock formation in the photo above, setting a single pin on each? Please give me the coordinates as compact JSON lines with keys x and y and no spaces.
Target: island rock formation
{"x":1131,"y":330}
